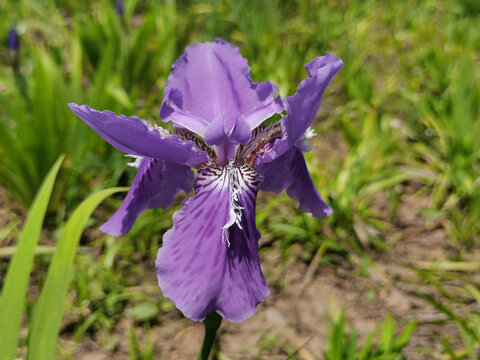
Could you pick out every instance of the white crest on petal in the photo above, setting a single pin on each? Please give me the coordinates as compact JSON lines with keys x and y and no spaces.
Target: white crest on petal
{"x":151,"y":127}
{"x":309,"y":134}
{"x":234,"y":185}
{"x":235,"y":216}
{"x":137,"y":160}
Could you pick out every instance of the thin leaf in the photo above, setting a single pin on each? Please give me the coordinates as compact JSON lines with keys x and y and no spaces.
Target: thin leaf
{"x":447,"y":311}
{"x":388,"y":333}
{"x":337,"y":339}
{"x":469,"y":343}
{"x":474,"y":291}
{"x":402,"y":340}
{"x":9,"y":251}
{"x":367,"y":347}
{"x":48,"y":314}
{"x":351,"y":349}
{"x":12,"y":301}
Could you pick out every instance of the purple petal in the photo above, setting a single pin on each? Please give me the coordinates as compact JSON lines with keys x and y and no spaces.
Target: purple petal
{"x":184,"y":119}
{"x":302,"y":107}
{"x":244,"y":285}
{"x":220,"y":131}
{"x":289,"y":171}
{"x":196,"y":267}
{"x":210,"y":83}
{"x":155,"y":186}
{"x":136,"y":137}
{"x":258,"y":116}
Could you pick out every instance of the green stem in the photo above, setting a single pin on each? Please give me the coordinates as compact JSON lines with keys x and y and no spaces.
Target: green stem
{"x":212,"y":324}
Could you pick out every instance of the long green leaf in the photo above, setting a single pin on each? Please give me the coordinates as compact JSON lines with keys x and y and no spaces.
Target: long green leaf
{"x":15,"y":288}
{"x":337,"y":338}
{"x":388,"y":334}
{"x":367,"y":346}
{"x":351,"y":347}
{"x":402,"y":340}
{"x":48,"y":313}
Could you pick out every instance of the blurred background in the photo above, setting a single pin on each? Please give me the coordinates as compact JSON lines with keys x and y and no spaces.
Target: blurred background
{"x":394,"y":273}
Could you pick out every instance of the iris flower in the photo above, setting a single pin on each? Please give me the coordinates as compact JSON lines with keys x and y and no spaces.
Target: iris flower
{"x":13,"y":41}
{"x":119,"y":7}
{"x":209,"y":259}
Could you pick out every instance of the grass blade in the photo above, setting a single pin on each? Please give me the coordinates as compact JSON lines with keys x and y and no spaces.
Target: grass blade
{"x":48,"y":313}
{"x":337,"y":338}
{"x":351,"y":348}
{"x":402,"y":340}
{"x":367,"y":346}
{"x":15,"y":288}
{"x":388,"y":334}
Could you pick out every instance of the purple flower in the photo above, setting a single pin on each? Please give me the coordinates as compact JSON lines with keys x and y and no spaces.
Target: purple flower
{"x":13,"y":41}
{"x":119,"y":7}
{"x":209,"y":259}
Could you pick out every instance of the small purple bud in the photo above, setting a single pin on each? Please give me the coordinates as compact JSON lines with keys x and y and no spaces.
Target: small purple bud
{"x":119,"y":7}
{"x":13,"y":41}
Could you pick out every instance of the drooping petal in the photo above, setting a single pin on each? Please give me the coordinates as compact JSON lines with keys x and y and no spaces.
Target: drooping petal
{"x":209,"y":84}
{"x":289,"y":172}
{"x":207,"y":262}
{"x":244,"y":285}
{"x":155,"y":186}
{"x":302,"y":107}
{"x":136,"y":137}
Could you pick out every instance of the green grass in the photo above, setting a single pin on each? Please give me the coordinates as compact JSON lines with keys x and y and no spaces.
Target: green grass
{"x":381,"y":343}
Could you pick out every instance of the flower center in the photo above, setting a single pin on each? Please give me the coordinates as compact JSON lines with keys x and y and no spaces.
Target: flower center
{"x":259,"y":143}
{"x":228,"y":154}
{"x":200,"y":144}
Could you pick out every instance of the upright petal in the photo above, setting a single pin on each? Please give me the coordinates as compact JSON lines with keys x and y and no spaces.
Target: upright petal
{"x":209,"y":259}
{"x":303,"y":106}
{"x":289,"y":171}
{"x":210,"y":85}
{"x":136,"y":137}
{"x":155,"y":186}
